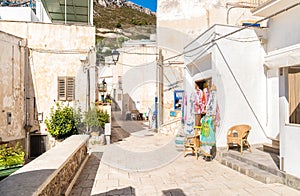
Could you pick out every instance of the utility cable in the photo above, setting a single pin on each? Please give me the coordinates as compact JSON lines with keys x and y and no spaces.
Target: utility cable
{"x":241,"y":90}
{"x":236,"y":31}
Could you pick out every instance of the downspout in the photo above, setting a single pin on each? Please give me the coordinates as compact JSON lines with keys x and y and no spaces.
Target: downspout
{"x":207,"y":18}
{"x":27,"y":126}
{"x":236,"y":5}
{"x":65,"y":11}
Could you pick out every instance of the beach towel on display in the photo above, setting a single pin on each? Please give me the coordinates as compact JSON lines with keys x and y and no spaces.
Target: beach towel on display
{"x":208,"y":139}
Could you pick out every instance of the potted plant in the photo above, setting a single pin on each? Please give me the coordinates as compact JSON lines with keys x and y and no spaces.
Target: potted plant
{"x":63,"y":121}
{"x":96,"y":119}
{"x":11,"y":159}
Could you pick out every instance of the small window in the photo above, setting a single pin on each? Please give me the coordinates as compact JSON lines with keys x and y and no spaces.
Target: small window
{"x":66,"y":88}
{"x":178,"y":97}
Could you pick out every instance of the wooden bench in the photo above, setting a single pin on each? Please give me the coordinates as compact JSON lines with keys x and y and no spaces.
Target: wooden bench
{"x":192,"y":143}
{"x":237,"y":135}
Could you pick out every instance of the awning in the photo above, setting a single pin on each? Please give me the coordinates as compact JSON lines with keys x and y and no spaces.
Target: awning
{"x":70,"y":11}
{"x":200,"y":65}
{"x":285,"y":57}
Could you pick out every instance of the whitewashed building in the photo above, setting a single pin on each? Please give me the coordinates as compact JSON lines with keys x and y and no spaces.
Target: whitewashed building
{"x":47,"y":65}
{"x":179,"y":22}
{"x":233,"y":64}
{"x":281,"y":63}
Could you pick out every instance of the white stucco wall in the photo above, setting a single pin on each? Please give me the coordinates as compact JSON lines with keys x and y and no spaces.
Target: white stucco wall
{"x":55,"y":50}
{"x":17,"y":14}
{"x":138,"y":67}
{"x":283,"y":51}
{"x":240,"y":80}
{"x":282,"y":28}
{"x":181,"y":21}
{"x":41,"y":14}
{"x":12,"y":87}
{"x":138,"y":75}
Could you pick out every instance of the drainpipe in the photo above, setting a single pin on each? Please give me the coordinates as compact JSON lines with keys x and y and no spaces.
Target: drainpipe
{"x":27,"y":126}
{"x":207,"y":18}
{"x":236,"y":5}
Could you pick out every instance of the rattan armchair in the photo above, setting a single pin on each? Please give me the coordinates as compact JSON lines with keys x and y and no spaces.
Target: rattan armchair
{"x":237,"y":135}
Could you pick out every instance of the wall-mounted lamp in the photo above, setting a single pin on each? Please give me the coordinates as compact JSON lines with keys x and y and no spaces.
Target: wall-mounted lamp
{"x":84,"y":61}
{"x":40,"y":117}
{"x":115,"y":56}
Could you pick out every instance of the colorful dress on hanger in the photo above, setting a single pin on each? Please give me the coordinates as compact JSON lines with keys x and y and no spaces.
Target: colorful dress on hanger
{"x":198,"y":101}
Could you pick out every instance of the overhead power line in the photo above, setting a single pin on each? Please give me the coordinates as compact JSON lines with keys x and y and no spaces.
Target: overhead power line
{"x":236,"y":31}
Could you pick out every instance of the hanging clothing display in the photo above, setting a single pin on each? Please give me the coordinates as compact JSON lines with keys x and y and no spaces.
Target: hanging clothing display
{"x":207,"y":131}
{"x":198,"y":106}
{"x":207,"y":137}
{"x":204,"y":99}
{"x":211,"y":104}
{"x":198,"y":101}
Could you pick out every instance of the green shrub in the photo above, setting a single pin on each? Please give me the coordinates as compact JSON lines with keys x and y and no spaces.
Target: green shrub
{"x":96,"y":118}
{"x":63,"y":121}
{"x":10,"y":156}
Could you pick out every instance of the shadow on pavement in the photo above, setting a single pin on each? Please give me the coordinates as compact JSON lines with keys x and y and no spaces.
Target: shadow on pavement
{"x":121,"y":128}
{"x":128,"y":191}
{"x":85,"y":181}
{"x":173,"y":192}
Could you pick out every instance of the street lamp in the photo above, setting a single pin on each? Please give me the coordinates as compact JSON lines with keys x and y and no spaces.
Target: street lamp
{"x":115,"y":56}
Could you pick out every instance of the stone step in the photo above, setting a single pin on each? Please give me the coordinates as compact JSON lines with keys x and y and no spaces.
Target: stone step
{"x":254,"y":163}
{"x":271,"y":148}
{"x":275,"y":142}
{"x":250,"y":170}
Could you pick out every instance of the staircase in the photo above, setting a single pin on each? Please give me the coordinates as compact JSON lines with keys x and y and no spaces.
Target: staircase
{"x":258,"y":164}
{"x":272,"y":148}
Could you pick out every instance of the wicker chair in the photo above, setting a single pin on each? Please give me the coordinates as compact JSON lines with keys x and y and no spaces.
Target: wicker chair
{"x":237,"y":135}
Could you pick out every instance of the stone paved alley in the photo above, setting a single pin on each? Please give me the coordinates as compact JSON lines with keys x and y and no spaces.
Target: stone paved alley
{"x":181,"y":176}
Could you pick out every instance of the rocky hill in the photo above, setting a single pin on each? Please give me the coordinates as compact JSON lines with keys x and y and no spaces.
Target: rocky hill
{"x":121,"y":3}
{"x":118,"y":20}
{"x":121,"y":14}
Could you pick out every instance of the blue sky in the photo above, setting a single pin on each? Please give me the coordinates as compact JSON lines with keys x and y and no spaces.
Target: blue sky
{"x":151,"y":4}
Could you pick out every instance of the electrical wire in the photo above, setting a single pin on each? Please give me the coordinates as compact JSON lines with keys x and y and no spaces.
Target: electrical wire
{"x":138,"y":53}
{"x":55,"y":51}
{"x":240,"y":88}
{"x":213,"y":34}
{"x":127,"y":65}
{"x":233,"y":32}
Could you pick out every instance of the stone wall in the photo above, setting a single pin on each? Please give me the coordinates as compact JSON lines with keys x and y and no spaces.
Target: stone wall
{"x":60,"y":182}
{"x":51,"y":173}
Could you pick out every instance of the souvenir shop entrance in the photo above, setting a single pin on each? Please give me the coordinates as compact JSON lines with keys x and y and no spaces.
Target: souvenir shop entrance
{"x":206,"y":117}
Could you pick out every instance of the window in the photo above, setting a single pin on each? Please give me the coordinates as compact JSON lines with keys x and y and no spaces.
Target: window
{"x":66,"y":88}
{"x":178,"y":96}
{"x":294,"y":94}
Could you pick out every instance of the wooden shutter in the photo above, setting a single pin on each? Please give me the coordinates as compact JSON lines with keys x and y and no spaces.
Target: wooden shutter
{"x":70,"y":88}
{"x":294,"y":94}
{"x":62,"y":94}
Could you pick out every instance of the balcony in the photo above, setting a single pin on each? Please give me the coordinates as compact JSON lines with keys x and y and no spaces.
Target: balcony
{"x":248,"y":3}
{"x":268,"y":7}
{"x":254,"y":3}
